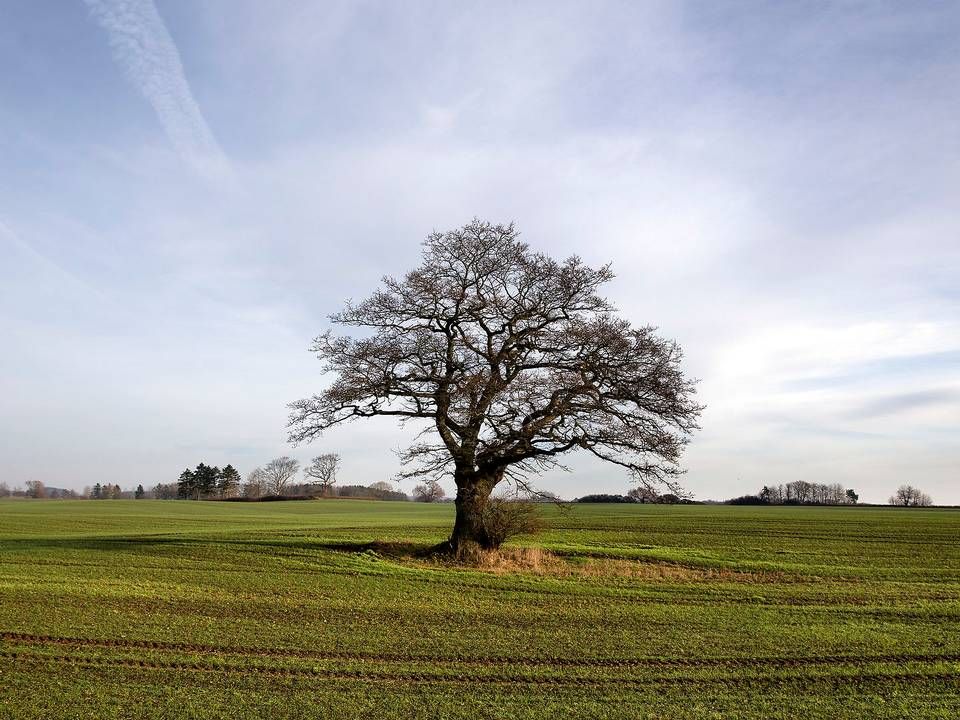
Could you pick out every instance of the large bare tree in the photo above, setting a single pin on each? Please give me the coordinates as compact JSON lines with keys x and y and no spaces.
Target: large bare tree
{"x":510,"y":359}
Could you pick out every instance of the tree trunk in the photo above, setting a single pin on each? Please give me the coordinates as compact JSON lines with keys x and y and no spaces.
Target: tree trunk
{"x":473,"y":492}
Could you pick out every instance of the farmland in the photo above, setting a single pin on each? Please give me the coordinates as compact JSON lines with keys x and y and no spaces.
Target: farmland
{"x":172,"y":609}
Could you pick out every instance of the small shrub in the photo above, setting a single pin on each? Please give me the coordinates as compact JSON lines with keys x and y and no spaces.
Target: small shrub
{"x":504,"y":519}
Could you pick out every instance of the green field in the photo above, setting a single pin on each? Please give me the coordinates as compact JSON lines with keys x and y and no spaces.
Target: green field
{"x":152,"y":609}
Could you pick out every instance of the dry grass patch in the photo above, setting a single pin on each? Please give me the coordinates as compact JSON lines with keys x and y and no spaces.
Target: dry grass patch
{"x":538,"y":561}
{"x":641,"y":570}
{"x":512,"y":560}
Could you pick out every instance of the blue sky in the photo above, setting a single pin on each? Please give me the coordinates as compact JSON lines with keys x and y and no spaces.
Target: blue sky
{"x":187,"y":189}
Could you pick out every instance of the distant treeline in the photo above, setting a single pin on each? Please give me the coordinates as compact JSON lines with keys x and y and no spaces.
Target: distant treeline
{"x":36,"y":489}
{"x":605,"y":498}
{"x":637,"y":495}
{"x":799,"y":492}
{"x":273,"y":481}
{"x":202,"y":483}
{"x":277,"y":480}
{"x":376,"y":491}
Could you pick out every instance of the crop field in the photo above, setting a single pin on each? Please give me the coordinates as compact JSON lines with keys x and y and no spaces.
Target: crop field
{"x":166,"y":609}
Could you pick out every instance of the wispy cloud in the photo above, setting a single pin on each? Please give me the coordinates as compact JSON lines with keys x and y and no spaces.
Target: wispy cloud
{"x":880,"y":369}
{"x":35,"y":258}
{"x":142,"y":45}
{"x":903,"y":402}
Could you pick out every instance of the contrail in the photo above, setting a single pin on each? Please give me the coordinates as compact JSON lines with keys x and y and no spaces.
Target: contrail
{"x":143,"y":47}
{"x":39,"y":259}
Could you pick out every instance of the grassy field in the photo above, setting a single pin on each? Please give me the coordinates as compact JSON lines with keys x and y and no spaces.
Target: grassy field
{"x":152,"y":609}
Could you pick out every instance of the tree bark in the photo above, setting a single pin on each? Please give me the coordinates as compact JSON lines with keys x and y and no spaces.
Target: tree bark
{"x":473,"y":492}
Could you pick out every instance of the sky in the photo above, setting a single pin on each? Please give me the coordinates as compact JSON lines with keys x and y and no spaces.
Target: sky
{"x":189,"y":188}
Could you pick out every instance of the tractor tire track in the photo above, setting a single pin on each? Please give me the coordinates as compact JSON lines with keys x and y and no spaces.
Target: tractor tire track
{"x":492,"y":661}
{"x":407,"y":677}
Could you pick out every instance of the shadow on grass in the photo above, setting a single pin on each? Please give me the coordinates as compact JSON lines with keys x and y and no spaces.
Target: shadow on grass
{"x":100,"y":543}
{"x":404,"y":549}
{"x":396,"y":549}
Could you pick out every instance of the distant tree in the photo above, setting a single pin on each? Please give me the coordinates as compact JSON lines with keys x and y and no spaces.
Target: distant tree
{"x":139,"y":493}
{"x":279,"y":472}
{"x":430,"y":491}
{"x":836,"y":494}
{"x":4,"y":490}
{"x":909,"y":496}
{"x":256,"y":483}
{"x":186,"y":485}
{"x":35,"y":489}
{"x":107,"y":491}
{"x":228,"y":484}
{"x":323,"y":471}
{"x":765,"y":494}
{"x":381,"y":486}
{"x":205,"y":479}
{"x":852,"y":496}
{"x":643,"y":494}
{"x":165,"y":491}
{"x":97,"y":492}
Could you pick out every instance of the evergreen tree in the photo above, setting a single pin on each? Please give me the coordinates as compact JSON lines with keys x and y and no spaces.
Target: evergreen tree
{"x":139,"y":492}
{"x":186,"y":485}
{"x":205,"y":480}
{"x":229,"y":483}
{"x":97,"y":492}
